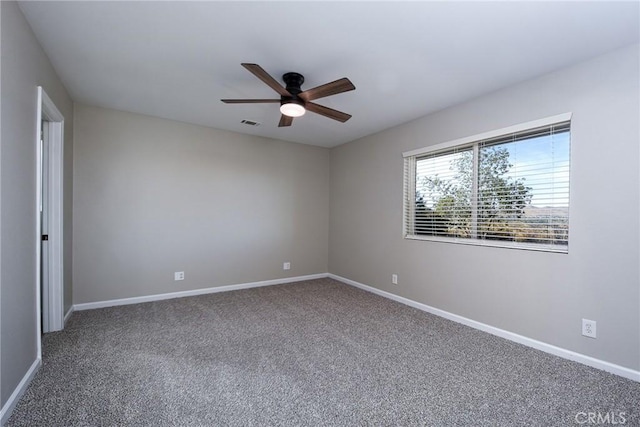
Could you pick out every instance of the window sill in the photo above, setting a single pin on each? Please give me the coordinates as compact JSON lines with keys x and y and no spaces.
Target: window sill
{"x":539,"y":247}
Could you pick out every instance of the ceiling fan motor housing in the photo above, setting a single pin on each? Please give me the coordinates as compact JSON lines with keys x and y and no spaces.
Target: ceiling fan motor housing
{"x":293,"y":82}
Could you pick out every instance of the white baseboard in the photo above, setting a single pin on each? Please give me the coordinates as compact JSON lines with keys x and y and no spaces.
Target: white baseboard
{"x":7,"y":409}
{"x":520,"y":339}
{"x":66,"y":316}
{"x":181,"y":294}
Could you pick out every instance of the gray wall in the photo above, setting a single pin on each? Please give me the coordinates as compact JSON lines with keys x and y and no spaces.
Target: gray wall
{"x":24,"y":67}
{"x":154,"y":196}
{"x":540,"y":295}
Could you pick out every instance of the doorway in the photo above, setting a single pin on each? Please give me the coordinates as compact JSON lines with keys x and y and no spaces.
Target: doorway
{"x":49,"y":226}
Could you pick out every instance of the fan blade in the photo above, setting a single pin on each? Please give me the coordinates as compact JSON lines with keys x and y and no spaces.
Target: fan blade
{"x":249,"y":101}
{"x":260,"y":73}
{"x":285,"y":121}
{"x":327,"y":112}
{"x":333,"y":88}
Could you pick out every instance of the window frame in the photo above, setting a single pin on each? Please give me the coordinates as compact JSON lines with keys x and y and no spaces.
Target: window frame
{"x":473,"y":142}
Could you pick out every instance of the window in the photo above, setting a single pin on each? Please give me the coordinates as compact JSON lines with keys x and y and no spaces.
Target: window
{"x":507,"y":188}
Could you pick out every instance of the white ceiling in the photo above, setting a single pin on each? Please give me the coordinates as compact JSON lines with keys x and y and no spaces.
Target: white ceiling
{"x":407,"y":59}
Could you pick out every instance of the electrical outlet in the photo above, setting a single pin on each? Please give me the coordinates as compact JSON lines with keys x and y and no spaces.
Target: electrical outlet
{"x":178,"y":275}
{"x":394,"y":279}
{"x":589,"y":328}
{"x":286,"y":266}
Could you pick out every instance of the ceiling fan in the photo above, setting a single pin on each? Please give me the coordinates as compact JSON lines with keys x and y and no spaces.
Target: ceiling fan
{"x":293,"y":101}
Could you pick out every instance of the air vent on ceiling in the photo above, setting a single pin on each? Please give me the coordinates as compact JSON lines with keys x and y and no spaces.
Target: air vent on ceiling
{"x":250,"y":123}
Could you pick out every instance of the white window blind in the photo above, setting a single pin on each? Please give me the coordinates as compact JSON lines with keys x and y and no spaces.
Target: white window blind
{"x":509,"y":190}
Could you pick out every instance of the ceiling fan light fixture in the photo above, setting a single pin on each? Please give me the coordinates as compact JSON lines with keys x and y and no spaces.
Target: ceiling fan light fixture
{"x":292,"y":109}
{"x":293,"y":100}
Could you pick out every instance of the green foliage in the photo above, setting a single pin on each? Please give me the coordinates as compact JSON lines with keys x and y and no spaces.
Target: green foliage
{"x":501,"y":199}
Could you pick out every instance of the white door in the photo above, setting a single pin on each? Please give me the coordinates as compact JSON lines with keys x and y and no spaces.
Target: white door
{"x":49,"y":225}
{"x":44,"y":227}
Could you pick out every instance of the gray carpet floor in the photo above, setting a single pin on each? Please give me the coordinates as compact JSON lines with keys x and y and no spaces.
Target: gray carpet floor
{"x":310,"y":353}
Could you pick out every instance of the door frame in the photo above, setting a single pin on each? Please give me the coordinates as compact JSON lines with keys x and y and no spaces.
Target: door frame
{"x":54,"y":121}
